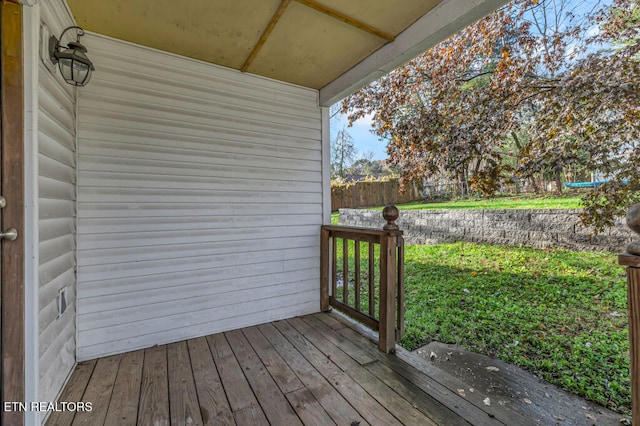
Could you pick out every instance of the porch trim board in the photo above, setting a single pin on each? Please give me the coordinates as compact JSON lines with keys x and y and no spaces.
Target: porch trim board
{"x":12,"y":296}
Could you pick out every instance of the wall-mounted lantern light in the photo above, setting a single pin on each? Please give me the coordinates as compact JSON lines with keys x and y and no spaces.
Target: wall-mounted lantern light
{"x":72,"y":60}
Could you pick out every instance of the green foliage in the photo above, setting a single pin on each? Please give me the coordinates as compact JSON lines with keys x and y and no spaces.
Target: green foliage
{"x":526,"y":92}
{"x":560,"y":314}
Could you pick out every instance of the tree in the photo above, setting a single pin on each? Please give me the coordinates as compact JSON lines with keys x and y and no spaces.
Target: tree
{"x":530,"y":82}
{"x":343,"y":153}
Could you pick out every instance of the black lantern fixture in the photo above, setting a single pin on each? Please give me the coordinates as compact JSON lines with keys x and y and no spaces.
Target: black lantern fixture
{"x":72,"y":60}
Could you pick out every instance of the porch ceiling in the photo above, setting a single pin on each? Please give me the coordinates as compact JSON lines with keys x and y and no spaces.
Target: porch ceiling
{"x":305,"y":42}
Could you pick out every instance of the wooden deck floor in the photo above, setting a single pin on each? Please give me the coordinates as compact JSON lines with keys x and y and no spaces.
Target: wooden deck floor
{"x":311,"y":370}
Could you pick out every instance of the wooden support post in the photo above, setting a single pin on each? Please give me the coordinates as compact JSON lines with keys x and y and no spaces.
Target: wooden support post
{"x":388,"y":285}
{"x":387,"y":330}
{"x":631,"y":259}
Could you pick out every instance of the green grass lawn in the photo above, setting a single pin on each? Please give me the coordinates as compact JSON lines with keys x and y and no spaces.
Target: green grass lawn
{"x":498,"y":203}
{"x":520,"y":202}
{"x":559,"y":314}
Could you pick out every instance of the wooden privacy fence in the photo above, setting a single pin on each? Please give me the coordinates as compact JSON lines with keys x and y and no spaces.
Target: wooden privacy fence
{"x":373,"y":193}
{"x":362,"y":275}
{"x":631,"y":259}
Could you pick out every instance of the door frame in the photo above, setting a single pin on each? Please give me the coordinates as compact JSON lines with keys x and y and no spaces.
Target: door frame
{"x":12,"y":289}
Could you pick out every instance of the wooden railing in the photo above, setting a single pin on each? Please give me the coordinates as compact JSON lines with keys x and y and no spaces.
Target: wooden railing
{"x":631,"y":259}
{"x":362,"y":275}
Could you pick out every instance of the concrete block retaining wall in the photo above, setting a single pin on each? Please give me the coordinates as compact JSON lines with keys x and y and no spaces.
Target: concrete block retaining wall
{"x":543,"y":228}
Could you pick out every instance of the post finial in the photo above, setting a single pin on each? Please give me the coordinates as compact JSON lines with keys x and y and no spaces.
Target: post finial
{"x":390,"y":213}
{"x":633,"y":222}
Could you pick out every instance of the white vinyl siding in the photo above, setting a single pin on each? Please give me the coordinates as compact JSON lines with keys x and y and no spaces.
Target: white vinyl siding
{"x":199,"y":199}
{"x":56,"y":185}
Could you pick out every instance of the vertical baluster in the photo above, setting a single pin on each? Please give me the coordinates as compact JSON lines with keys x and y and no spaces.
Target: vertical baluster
{"x":345,"y":271}
{"x":334,"y":268}
{"x":372,"y":279}
{"x":324,"y":270}
{"x":357,"y":273}
{"x":631,"y":259}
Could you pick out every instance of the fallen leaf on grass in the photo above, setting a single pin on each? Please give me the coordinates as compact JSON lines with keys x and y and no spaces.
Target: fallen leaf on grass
{"x":492,"y":368}
{"x":461,"y":393}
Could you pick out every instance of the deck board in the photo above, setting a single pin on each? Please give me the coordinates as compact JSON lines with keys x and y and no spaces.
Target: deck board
{"x":123,"y":408}
{"x":183,"y":399}
{"x":213,"y":401}
{"x":314,"y":370}
{"x":154,"y":389}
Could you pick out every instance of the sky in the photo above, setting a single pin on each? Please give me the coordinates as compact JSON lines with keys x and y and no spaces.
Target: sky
{"x":363,"y":138}
{"x":366,"y":141}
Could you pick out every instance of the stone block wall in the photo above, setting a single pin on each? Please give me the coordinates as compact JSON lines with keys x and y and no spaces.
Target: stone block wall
{"x":543,"y":228}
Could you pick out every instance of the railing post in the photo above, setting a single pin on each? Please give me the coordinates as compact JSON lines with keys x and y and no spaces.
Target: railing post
{"x":387,"y":314}
{"x":631,"y":259}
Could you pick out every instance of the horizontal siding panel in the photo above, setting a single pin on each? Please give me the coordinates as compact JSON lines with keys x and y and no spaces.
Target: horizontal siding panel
{"x":181,"y":155}
{"x":51,"y":188}
{"x":265,"y":171}
{"x":171,"y":123}
{"x":168,"y":335}
{"x":150,"y":293}
{"x":231,"y":277}
{"x":199,"y":199}
{"x":51,"y":249}
{"x":185,"y":108}
{"x":195,"y":236}
{"x":189,"y":251}
{"x":57,"y":151}
{"x":176,"y":305}
{"x":161,"y":210}
{"x":56,"y":170}
{"x":54,"y":268}
{"x":54,"y":228}
{"x":97,"y":336}
{"x":229,"y":140}
{"x":54,"y":132}
{"x":142,"y":224}
{"x":176,"y":196}
{"x":56,"y":209}
{"x":178,"y":264}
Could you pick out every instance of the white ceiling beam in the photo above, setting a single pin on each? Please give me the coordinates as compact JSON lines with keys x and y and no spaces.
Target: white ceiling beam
{"x":444,"y":20}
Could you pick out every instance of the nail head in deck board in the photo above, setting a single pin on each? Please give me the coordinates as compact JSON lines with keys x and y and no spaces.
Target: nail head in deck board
{"x":337,"y":407}
{"x":308,"y":408}
{"x":286,"y":379}
{"x":251,"y":415}
{"x":154,"y":389}
{"x":238,"y":391}
{"x":183,"y":399}
{"x":99,"y":391}
{"x":73,"y":391}
{"x":123,"y":408}
{"x":214,"y":406}
{"x":349,"y":388}
{"x":274,"y":404}
{"x":394,"y":403}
